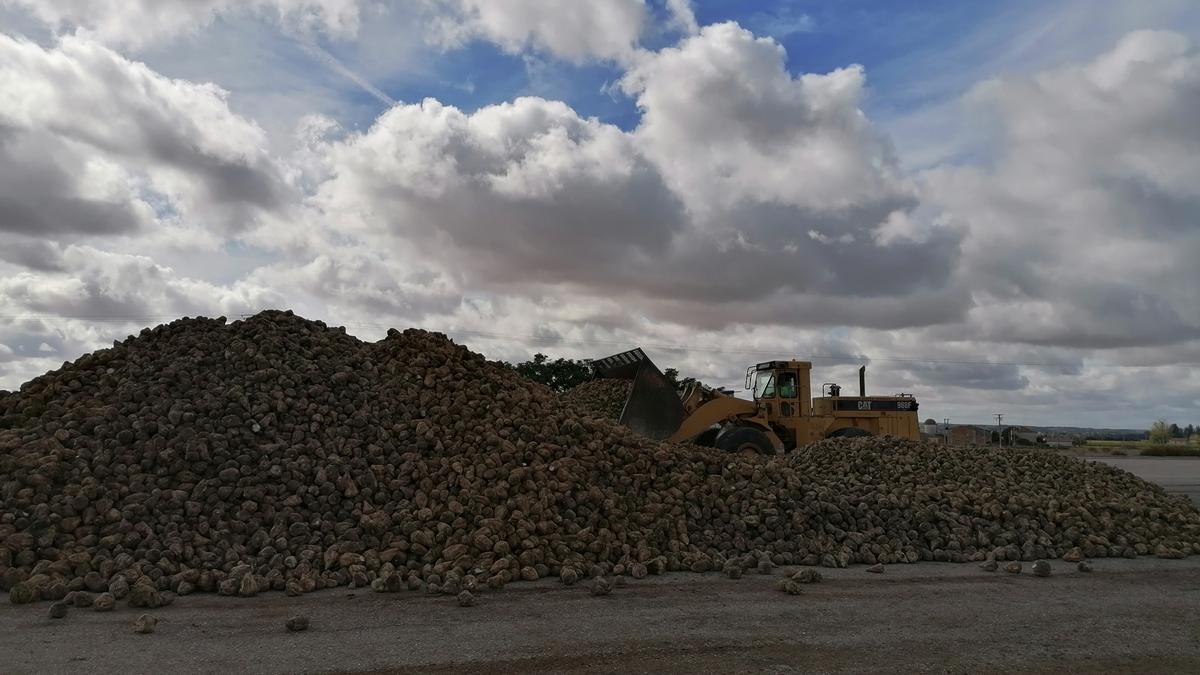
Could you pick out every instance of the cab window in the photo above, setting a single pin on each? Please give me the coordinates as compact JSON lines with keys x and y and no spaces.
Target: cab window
{"x":764,"y":386}
{"x":787,"y":384}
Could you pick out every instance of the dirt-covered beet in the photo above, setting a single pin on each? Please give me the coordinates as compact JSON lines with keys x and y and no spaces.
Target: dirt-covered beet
{"x":280,"y":454}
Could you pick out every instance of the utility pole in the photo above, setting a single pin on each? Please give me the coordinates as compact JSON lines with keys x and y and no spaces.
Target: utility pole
{"x":946,"y":429}
{"x":999,"y":428}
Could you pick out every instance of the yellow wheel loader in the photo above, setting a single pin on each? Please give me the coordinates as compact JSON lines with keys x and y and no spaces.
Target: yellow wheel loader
{"x":783,"y":415}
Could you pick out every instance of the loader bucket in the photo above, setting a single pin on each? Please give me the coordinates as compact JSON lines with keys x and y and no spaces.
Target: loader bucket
{"x":653,"y":408}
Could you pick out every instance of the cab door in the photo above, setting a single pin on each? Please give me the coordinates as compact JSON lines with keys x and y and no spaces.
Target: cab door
{"x":782,"y":403}
{"x":764,"y":392}
{"x":787,"y":388}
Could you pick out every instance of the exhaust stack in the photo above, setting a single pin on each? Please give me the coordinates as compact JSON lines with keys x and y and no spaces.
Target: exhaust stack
{"x":862,"y":381}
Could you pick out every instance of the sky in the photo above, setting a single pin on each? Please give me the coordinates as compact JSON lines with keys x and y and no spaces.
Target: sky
{"x":995,"y":206}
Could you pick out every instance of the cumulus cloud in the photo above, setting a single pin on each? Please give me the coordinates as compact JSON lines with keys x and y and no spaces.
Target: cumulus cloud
{"x":1083,"y":231}
{"x":104,"y":284}
{"x":727,"y":123}
{"x":136,"y":23}
{"x":106,"y":165}
{"x":682,"y":16}
{"x":787,"y":177}
{"x":521,"y":191}
{"x":33,"y":254}
{"x":361,"y":283}
{"x":603,"y":29}
{"x":93,"y":296}
{"x":48,"y":189}
{"x":92,"y":143}
{"x":780,"y":176}
{"x":749,"y":213}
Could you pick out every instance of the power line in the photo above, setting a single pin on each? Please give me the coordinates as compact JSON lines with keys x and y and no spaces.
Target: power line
{"x":777,"y":353}
{"x":774,"y":353}
{"x":103,"y":319}
{"x":553,"y":339}
{"x":752,"y":352}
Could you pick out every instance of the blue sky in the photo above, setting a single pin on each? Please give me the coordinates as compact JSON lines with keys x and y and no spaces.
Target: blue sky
{"x":920,"y":58}
{"x":962,"y":191}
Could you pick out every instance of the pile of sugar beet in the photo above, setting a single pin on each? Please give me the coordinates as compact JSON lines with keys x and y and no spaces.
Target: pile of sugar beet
{"x":277,"y":453}
{"x":603,"y":397}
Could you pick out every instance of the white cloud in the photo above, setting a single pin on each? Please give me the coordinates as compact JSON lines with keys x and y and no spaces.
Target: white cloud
{"x":104,"y":284}
{"x":1083,"y":232}
{"x":749,"y":212}
{"x":94,"y":144}
{"x":781,"y":22}
{"x":96,"y":296}
{"x":728,"y":124}
{"x":576,"y":31}
{"x":682,"y":16}
{"x":483,"y":187}
{"x":357,"y":282}
{"x":136,"y":23}
{"x":529,"y":194}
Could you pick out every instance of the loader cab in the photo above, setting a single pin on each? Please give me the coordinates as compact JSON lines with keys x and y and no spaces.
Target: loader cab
{"x":781,"y":388}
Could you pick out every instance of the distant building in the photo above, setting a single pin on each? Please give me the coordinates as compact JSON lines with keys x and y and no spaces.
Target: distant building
{"x":970,"y":434}
{"x":1024,"y":434}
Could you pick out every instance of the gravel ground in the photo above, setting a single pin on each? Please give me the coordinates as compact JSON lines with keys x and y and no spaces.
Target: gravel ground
{"x":1179,"y":475}
{"x":1130,"y":616}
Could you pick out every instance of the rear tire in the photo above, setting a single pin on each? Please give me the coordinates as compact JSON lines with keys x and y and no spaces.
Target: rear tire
{"x":745,"y":439}
{"x":849,"y":432}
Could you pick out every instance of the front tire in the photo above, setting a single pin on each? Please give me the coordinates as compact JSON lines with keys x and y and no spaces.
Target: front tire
{"x":745,"y":439}
{"x":707,"y":438}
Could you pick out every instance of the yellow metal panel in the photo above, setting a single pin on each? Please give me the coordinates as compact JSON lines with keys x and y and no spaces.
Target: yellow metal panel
{"x":716,"y":410}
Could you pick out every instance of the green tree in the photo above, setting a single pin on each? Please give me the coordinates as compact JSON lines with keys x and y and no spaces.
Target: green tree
{"x":672,"y":375}
{"x":1176,"y":432}
{"x":1160,"y":432}
{"x":560,"y":374}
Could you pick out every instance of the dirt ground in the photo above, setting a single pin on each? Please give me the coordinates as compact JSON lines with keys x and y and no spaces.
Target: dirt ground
{"x":1129,"y":616}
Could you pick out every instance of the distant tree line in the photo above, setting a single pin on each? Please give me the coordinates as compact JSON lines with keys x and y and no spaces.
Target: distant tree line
{"x":1161,"y":432}
{"x":561,"y":374}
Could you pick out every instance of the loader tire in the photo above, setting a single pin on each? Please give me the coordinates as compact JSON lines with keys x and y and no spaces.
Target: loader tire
{"x":849,"y":432}
{"x":745,"y":439}
{"x":707,"y":438}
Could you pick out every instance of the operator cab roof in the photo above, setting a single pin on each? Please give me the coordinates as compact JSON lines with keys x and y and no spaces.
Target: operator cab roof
{"x":772,"y":365}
